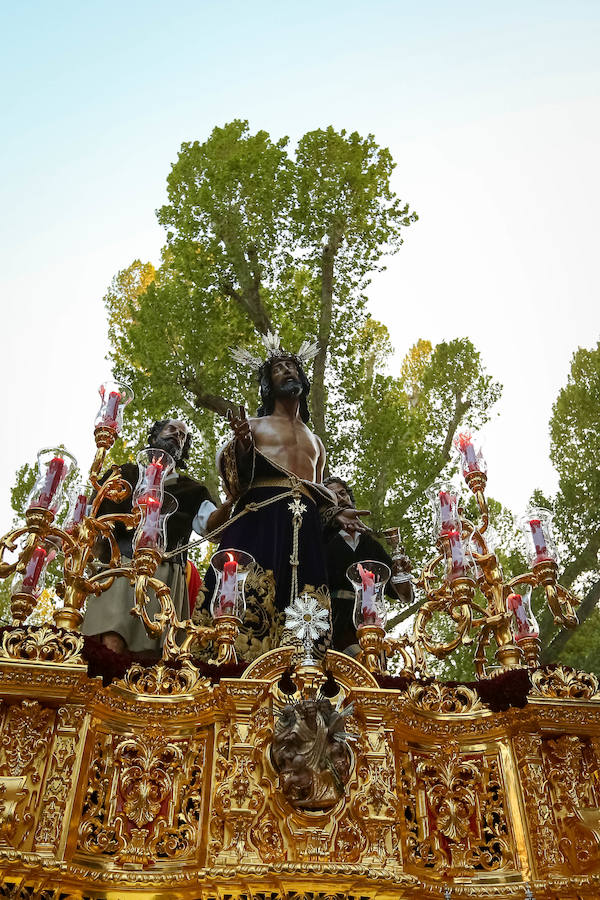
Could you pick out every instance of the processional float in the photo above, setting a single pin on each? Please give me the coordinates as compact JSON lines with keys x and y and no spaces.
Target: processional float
{"x":289,"y":776}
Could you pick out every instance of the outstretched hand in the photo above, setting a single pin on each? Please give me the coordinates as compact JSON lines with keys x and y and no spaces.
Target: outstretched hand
{"x":349,"y":519}
{"x":241,"y":428}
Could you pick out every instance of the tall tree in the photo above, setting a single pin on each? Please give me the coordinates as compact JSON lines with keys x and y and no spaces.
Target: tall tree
{"x":256,"y":241}
{"x":575,"y":452}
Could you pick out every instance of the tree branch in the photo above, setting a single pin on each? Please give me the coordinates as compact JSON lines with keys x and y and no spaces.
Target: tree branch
{"x":403,"y":614}
{"x":247,"y":268}
{"x":212,"y":402}
{"x":550,"y":653}
{"x":586,"y":559}
{"x":460,"y":408}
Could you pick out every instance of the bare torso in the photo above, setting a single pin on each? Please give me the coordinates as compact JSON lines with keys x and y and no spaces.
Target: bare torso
{"x":288,"y":442}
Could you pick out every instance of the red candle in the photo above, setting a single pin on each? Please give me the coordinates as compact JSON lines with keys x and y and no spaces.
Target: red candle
{"x":457,"y":554}
{"x":368,"y":609}
{"x":539,"y":540}
{"x":514,"y":603}
{"x":154,"y":475}
{"x":470,"y":461}
{"x":55,"y":473}
{"x":112,"y":409}
{"x":152,"y":481}
{"x":34,"y":570}
{"x":447,"y":511}
{"x":151,"y":527}
{"x":229,"y":587}
{"x":80,"y":508}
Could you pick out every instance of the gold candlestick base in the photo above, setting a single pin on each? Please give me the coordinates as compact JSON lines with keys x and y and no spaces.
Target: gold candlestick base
{"x":545,"y":571}
{"x":226,"y":630}
{"x":371,"y":639}
{"x":21,"y":606}
{"x":532,"y":648}
{"x":39,"y":520}
{"x":463,"y":590}
{"x":146,"y":561}
{"x":476,"y":481}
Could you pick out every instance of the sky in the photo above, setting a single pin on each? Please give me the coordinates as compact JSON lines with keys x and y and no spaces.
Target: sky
{"x":490,"y":112}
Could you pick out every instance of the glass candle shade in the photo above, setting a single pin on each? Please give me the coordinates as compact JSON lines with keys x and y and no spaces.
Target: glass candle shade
{"x":444,"y":503}
{"x":471,"y":457}
{"x":77,"y":507}
{"x":114,"y":398}
{"x":151,"y":533}
{"x":33,"y":580}
{"x":536,"y":526}
{"x":231,"y":568}
{"x":525,"y":622}
{"x":369,"y":578}
{"x":459,"y":559}
{"x":52,"y":468}
{"x":154,"y":465}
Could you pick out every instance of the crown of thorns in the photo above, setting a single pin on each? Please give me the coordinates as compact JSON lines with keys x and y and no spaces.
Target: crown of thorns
{"x":307,"y":351}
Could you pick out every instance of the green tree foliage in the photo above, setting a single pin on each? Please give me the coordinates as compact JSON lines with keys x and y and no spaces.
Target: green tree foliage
{"x":259,"y":239}
{"x":575,"y":452}
{"x":256,"y":241}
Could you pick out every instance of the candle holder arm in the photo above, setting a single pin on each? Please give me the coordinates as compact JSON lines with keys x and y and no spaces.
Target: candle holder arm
{"x":114,"y":488}
{"x":560,"y":600}
{"x":459,"y":611}
{"x":9,"y":542}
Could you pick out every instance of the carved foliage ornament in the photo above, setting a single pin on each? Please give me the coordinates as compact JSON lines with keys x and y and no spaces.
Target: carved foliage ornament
{"x":562,"y":682}
{"x":43,"y":644}
{"x":569,"y":762}
{"x":144,"y":797}
{"x":455,"y":811}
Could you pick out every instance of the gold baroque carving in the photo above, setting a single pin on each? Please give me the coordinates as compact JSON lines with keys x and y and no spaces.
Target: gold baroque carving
{"x":163,"y":680}
{"x":144,"y":797}
{"x":576,"y":807}
{"x":267,"y":838}
{"x":42,"y":644}
{"x":25,"y":736}
{"x":441,"y":698}
{"x":564,"y":683}
{"x":538,"y":803}
{"x":456,"y":818}
{"x":56,"y":792}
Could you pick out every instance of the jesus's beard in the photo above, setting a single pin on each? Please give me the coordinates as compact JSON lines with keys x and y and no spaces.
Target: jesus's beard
{"x":291,"y":387}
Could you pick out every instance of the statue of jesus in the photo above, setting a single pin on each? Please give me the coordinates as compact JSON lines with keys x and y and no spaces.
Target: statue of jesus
{"x":269,"y":456}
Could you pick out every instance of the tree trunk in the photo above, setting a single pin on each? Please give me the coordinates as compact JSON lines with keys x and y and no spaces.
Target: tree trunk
{"x":318,"y":392}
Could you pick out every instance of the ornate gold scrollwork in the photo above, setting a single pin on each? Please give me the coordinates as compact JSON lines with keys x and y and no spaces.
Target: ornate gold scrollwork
{"x":42,"y":644}
{"x":575,"y":805}
{"x":562,"y":682}
{"x":456,"y":818}
{"x":163,"y":680}
{"x":435,"y":697}
{"x":144,"y":798}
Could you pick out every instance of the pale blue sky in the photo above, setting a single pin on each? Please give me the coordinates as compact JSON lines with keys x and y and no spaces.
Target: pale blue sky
{"x":490,"y":110}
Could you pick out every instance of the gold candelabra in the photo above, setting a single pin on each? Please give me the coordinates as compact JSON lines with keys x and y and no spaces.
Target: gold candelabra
{"x":465,"y":584}
{"x":78,"y":544}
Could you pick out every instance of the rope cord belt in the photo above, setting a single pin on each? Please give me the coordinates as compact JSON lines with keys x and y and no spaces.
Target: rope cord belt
{"x":250,"y":507}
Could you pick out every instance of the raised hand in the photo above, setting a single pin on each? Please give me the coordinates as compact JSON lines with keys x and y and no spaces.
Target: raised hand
{"x":241,"y":428}
{"x":349,"y":519}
